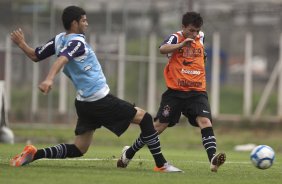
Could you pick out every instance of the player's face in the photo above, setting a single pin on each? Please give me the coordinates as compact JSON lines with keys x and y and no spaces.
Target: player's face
{"x":190,"y":31}
{"x":82,"y":24}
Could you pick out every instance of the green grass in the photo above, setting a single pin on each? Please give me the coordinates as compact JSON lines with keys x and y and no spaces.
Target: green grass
{"x":181,"y":146}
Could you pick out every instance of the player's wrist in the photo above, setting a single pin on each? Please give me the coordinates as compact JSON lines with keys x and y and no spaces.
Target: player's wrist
{"x":22,"y":44}
{"x":181,"y":45}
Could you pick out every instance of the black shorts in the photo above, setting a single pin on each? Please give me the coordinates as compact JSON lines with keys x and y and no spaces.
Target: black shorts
{"x":191,"y":104}
{"x":111,"y":112}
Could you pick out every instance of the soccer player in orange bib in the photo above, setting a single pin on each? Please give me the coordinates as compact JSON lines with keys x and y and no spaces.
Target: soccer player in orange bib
{"x":185,"y":78}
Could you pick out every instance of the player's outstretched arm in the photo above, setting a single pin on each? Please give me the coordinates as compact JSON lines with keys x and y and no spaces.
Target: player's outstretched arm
{"x":47,"y":84}
{"x":17,"y":36}
{"x":168,"y":48}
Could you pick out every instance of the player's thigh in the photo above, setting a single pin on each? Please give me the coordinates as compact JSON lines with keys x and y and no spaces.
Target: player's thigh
{"x":111,"y":112}
{"x":169,"y":110}
{"x":197,"y":110}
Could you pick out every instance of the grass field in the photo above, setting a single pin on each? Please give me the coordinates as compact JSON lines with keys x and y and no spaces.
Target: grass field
{"x":181,"y":146}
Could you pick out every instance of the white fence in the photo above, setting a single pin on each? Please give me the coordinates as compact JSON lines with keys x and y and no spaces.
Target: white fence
{"x":153,"y":60}
{"x":3,"y":108}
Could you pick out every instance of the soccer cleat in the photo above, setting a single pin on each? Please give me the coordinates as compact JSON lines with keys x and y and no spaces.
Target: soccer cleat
{"x":167,"y":168}
{"x":123,"y":161}
{"x":25,"y":157}
{"x":217,"y":161}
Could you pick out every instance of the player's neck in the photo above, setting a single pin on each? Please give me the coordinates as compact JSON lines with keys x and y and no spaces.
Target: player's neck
{"x":72,"y":30}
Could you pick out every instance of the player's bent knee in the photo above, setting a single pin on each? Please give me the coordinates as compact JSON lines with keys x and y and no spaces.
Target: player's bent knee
{"x":147,"y":118}
{"x":139,"y":115}
{"x":140,"y":112}
{"x":203,"y":122}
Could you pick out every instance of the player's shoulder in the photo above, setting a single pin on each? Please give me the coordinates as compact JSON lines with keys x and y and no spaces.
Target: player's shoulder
{"x":174,"y":37}
{"x":60,"y":35}
{"x":201,"y":34}
{"x":77,"y":38}
{"x":178,"y":34}
{"x":70,"y":37}
{"x":201,"y":37}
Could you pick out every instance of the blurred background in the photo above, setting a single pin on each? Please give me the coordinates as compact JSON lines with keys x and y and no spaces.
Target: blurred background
{"x":242,"y":40}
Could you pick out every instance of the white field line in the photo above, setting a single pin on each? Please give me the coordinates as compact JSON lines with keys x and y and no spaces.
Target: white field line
{"x":134,"y":160}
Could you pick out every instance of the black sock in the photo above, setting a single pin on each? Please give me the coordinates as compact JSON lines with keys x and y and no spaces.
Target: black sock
{"x":137,"y":145}
{"x":153,"y":143}
{"x":58,"y":151}
{"x":209,"y":141}
{"x":150,"y":137}
{"x":147,"y":128}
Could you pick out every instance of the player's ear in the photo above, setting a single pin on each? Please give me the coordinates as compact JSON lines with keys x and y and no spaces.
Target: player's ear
{"x":74,"y":23}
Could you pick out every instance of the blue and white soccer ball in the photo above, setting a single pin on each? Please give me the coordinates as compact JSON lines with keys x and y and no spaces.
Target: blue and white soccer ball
{"x":6,"y":135}
{"x":262,"y":156}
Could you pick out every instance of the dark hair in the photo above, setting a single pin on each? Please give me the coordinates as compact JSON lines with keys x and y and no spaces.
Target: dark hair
{"x":192,"y":18}
{"x":70,"y":14}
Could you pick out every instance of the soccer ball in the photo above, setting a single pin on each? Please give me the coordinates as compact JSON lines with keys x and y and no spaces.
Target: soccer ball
{"x":262,"y":156}
{"x":6,"y":135}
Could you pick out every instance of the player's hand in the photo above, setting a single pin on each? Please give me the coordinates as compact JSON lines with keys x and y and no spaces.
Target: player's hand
{"x":45,"y":86}
{"x":17,"y":36}
{"x":187,"y":42}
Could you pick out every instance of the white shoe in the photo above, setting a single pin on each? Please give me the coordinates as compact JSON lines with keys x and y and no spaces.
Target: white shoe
{"x":123,"y":161}
{"x":217,"y":161}
{"x":167,"y":168}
